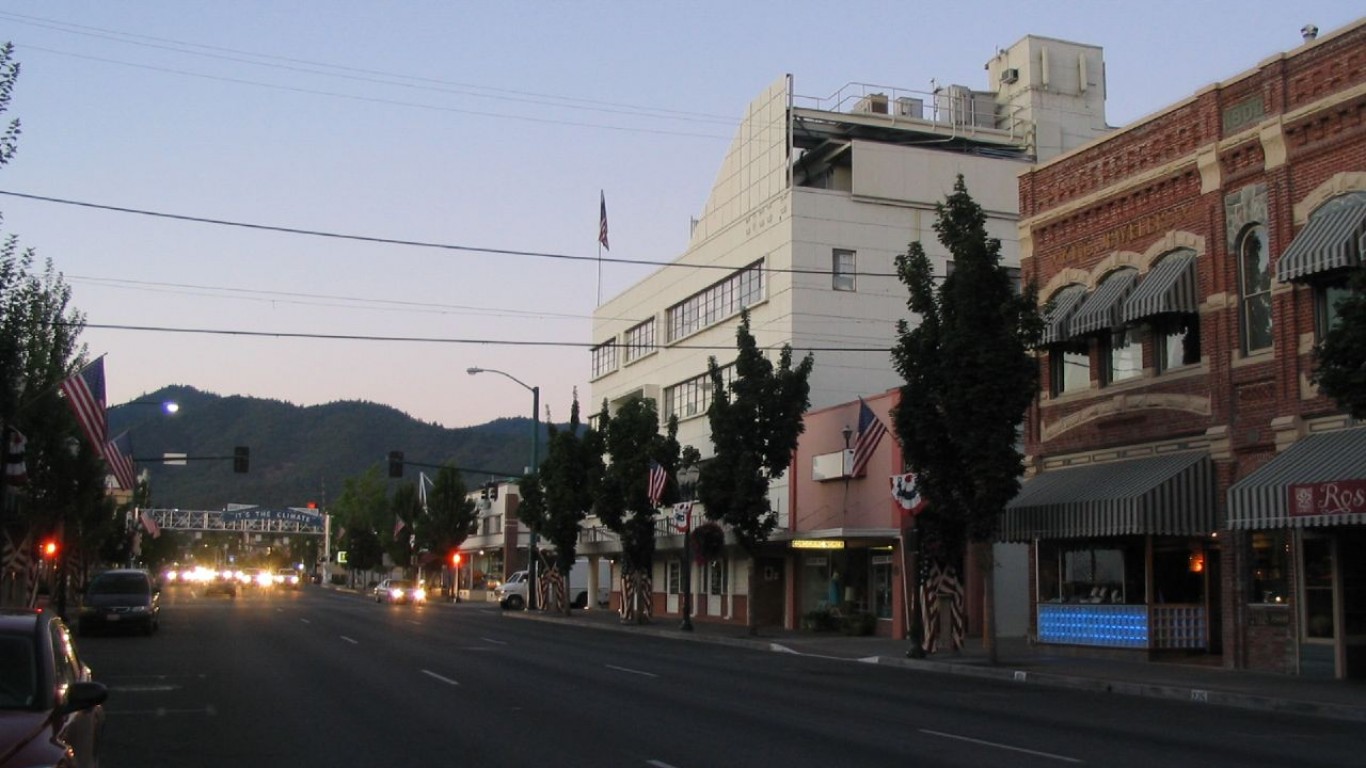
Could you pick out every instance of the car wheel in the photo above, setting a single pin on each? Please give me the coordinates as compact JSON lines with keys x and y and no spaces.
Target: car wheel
{"x":515,"y":603}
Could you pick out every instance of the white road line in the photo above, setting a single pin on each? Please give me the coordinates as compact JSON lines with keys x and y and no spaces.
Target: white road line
{"x":442,"y":678}
{"x":659,"y":764}
{"x":495,"y":642}
{"x":996,"y":745}
{"x":350,"y":640}
{"x":630,"y":671}
{"x":306,"y":621}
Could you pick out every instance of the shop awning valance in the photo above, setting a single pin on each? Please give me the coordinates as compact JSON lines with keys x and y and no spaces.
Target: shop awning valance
{"x":1170,"y":495}
{"x":1331,"y":462}
{"x":1101,"y":311}
{"x":1065,"y":303}
{"x":1169,"y":287}
{"x":1331,"y":240}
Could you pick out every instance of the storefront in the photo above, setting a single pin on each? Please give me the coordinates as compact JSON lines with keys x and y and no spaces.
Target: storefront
{"x":841,"y":578}
{"x":1305,"y":517}
{"x":1124,"y":553}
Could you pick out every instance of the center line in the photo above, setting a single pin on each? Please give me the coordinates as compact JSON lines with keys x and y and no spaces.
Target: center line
{"x":630,"y":671}
{"x":349,"y":640}
{"x":443,"y":679}
{"x":996,"y":745}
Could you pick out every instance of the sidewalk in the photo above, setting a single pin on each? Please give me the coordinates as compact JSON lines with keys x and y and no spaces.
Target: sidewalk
{"x":1022,"y":663}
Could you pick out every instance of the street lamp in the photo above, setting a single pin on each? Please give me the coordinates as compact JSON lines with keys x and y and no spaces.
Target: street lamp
{"x":687,"y":483}
{"x":535,"y":451}
{"x":167,"y":407}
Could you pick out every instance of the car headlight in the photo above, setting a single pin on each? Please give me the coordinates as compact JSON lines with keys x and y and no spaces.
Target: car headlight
{"x":397,"y":594}
{"x":419,"y":594}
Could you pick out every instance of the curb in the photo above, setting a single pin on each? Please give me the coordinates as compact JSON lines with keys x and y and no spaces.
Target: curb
{"x":1200,"y":696}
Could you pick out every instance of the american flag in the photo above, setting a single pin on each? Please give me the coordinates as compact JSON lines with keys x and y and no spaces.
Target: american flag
{"x":870,"y":432}
{"x":118,"y":454}
{"x":602,"y":220}
{"x":84,"y":391}
{"x":150,"y":524}
{"x":658,"y":479}
{"x":16,"y":470}
{"x":398,"y":525}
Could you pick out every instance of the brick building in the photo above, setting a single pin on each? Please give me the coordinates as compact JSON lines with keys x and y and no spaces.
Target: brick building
{"x":1189,"y":490}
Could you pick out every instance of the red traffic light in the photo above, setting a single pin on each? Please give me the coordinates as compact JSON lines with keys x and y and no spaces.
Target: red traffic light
{"x":48,"y":548}
{"x":455,"y":559}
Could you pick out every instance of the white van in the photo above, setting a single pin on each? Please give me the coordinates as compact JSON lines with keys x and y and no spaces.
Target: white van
{"x":511,"y":594}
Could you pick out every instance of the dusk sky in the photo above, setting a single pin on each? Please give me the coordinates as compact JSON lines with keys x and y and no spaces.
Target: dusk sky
{"x":485,"y":131}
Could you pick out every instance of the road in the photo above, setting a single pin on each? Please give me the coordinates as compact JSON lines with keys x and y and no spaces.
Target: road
{"x":325,"y":678}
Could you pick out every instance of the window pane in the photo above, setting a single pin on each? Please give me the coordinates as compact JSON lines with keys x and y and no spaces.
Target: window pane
{"x":1126,"y":355}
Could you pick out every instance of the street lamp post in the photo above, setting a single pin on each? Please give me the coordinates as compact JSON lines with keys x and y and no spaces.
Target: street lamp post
{"x":535,"y":456}
{"x":687,"y":482}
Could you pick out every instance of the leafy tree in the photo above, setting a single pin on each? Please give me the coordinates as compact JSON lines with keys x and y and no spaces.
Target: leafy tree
{"x":755,"y":423}
{"x":970,"y":377}
{"x":361,"y":507}
{"x":631,"y":437}
{"x":451,"y":516}
{"x":406,"y":509}
{"x":556,"y":500}
{"x":1340,"y":370}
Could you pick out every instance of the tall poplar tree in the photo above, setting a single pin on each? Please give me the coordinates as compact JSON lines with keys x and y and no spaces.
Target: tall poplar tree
{"x":970,"y":376}
{"x":755,"y":422}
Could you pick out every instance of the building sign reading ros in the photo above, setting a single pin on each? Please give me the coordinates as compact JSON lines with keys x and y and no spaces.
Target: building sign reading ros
{"x":1342,"y":497}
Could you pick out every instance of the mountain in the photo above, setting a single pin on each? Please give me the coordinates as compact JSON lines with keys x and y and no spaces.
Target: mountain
{"x":298,"y":454}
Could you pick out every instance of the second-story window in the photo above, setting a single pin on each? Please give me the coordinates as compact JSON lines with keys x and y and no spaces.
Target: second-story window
{"x":604,"y":358}
{"x":1069,"y":367}
{"x":640,"y":340}
{"x":1254,"y":284}
{"x":843,"y":265}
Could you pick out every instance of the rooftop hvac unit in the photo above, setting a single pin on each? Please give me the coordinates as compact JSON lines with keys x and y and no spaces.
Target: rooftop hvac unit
{"x":872,"y":104}
{"x":953,"y":104}
{"x":909,"y":107}
{"x":1010,"y":75}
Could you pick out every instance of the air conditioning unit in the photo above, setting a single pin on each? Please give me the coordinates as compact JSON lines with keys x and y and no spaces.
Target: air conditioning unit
{"x":909,"y":107}
{"x":872,"y":104}
{"x":1010,"y":75}
{"x":832,"y":466}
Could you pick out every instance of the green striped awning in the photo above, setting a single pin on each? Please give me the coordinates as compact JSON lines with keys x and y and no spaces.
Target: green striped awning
{"x":1169,"y":287}
{"x":1169,"y":495}
{"x":1101,"y":311}
{"x":1065,"y":302}
{"x":1262,"y":499}
{"x":1331,"y":240}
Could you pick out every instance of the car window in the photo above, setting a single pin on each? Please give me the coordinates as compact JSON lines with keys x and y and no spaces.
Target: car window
{"x":119,"y":584}
{"x":400,"y":584}
{"x":63,"y":660}
{"x":18,"y":673}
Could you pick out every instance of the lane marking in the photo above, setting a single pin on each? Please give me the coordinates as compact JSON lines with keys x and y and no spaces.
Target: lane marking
{"x":492,"y":640}
{"x":442,"y":678}
{"x":350,"y":640}
{"x":306,"y":621}
{"x":997,"y":745}
{"x":630,"y":671}
{"x":659,"y":764}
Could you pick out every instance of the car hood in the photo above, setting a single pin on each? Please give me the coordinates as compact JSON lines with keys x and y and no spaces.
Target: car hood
{"x":116,"y":601}
{"x":31,"y":732}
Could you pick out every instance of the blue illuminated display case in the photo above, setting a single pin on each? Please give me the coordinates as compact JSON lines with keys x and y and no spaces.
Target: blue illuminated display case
{"x":1110,"y":626}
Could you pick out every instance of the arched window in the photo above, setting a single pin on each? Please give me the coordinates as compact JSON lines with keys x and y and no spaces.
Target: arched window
{"x":1254,"y":284}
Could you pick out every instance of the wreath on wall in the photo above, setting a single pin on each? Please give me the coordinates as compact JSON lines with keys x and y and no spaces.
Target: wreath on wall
{"x":708,"y":542}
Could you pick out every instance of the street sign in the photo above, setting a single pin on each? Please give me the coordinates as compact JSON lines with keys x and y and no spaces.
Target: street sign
{"x":173,"y":459}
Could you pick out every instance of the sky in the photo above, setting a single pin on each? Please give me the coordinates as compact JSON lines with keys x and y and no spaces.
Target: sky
{"x":323,"y":201}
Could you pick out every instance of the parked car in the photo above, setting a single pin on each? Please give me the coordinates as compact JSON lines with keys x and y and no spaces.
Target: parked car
{"x":119,"y":599}
{"x":51,"y":708}
{"x":399,"y":591}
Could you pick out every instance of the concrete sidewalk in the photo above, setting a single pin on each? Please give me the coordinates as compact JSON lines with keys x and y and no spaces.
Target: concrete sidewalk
{"x":1020,"y":663}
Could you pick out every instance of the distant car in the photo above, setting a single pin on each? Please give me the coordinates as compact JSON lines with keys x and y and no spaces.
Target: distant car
{"x":51,"y":708}
{"x":221,"y":584}
{"x":288,"y":578}
{"x":124,"y":598}
{"x":257,"y":577}
{"x":399,"y":591}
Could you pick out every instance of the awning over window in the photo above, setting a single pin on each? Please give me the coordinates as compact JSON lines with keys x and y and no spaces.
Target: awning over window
{"x":1101,"y":312}
{"x":1331,"y":240}
{"x":1172,"y":495}
{"x":1333,"y":464}
{"x":1065,"y":302}
{"x":1169,"y":287}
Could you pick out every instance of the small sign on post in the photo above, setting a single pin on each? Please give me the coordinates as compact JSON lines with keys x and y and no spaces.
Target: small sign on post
{"x":173,"y":459}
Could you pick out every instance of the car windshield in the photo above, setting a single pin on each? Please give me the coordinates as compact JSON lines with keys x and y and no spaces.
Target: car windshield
{"x":18,"y":673}
{"x":400,"y":584}
{"x":118,"y":584}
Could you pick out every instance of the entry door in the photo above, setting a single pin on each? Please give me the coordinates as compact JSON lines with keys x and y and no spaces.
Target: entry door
{"x":1352,"y":583}
{"x":1333,"y":639}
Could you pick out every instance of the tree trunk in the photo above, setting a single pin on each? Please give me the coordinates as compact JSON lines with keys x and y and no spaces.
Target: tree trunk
{"x":987,"y":563}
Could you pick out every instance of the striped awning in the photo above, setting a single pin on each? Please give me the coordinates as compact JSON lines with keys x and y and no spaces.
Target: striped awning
{"x":1262,"y":499}
{"x":1170,"y":495}
{"x":1065,"y":302}
{"x":1101,"y":312}
{"x":1331,"y":240}
{"x":1169,"y":287}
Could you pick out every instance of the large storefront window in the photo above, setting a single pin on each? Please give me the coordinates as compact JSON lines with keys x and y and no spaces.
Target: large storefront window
{"x":1270,"y":567}
{"x":1091,"y":572}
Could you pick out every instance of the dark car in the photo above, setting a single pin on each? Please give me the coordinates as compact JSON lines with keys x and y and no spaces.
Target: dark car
{"x":121,"y":599}
{"x":51,"y":709}
{"x":221,"y":584}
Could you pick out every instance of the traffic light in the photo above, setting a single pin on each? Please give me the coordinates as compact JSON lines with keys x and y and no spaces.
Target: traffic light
{"x":48,"y":549}
{"x":395,"y":463}
{"x":455,"y":559}
{"x":241,"y":457}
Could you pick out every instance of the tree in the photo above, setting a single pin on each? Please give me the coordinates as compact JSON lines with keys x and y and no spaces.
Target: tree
{"x":631,"y":437}
{"x":451,"y":516}
{"x":406,"y":509}
{"x":970,"y":376}
{"x":755,"y":423}
{"x":556,"y":499}
{"x":362,"y":507}
{"x":1340,"y":357}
